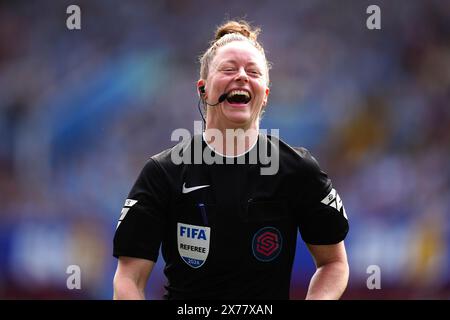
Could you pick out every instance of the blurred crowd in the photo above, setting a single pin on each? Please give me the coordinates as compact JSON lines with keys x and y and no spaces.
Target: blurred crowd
{"x":82,"y":110}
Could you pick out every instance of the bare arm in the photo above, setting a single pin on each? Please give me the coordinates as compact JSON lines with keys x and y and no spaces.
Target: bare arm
{"x":331,"y":276}
{"x":131,"y":278}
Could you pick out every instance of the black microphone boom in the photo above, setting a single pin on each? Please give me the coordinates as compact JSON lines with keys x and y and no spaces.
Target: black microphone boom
{"x":221,"y":99}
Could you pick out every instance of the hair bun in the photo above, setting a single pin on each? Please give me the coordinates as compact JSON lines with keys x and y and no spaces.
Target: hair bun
{"x":241,"y":27}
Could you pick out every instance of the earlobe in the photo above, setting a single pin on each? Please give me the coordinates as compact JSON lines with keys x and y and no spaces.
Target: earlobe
{"x":266,"y":97}
{"x":202,"y":92}
{"x":200,"y":84}
{"x":201,"y":89}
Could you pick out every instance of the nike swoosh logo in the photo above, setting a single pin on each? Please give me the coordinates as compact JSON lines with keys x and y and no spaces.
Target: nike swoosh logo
{"x":187,"y":190}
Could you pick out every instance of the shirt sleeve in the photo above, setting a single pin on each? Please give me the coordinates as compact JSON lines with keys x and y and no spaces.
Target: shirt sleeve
{"x":141,"y":225}
{"x":323,"y":219}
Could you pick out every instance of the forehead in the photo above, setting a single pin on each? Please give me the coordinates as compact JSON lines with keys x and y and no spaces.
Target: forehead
{"x":240,"y":52}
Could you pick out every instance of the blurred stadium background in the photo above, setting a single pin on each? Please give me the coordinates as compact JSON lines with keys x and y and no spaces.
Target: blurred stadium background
{"x":81,"y":111}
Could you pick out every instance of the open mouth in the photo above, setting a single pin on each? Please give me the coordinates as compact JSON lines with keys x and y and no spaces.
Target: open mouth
{"x":239,"y":97}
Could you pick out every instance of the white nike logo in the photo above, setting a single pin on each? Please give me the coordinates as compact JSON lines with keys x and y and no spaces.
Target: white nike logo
{"x":187,"y":190}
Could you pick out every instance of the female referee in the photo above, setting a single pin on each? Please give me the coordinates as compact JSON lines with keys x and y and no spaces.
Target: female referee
{"x":226,"y":230}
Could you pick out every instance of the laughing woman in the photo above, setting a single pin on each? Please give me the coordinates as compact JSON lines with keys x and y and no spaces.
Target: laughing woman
{"x":227,"y":231}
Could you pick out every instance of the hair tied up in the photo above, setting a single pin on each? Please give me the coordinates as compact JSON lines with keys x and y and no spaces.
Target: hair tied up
{"x":240,"y":27}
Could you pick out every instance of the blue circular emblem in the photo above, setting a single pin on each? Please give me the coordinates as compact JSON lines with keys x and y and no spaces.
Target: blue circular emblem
{"x":267,"y":243}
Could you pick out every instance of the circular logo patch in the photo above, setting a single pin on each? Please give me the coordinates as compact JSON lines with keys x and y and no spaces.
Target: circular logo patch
{"x":267,"y":244}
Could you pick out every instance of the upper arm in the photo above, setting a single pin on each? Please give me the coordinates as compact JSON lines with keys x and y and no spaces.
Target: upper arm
{"x":325,"y":254}
{"x":322,"y":219}
{"x":135,"y":269}
{"x":141,"y":226}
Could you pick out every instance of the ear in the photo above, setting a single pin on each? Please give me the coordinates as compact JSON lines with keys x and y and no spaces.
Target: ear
{"x":200,"y":88}
{"x":266,"y":97}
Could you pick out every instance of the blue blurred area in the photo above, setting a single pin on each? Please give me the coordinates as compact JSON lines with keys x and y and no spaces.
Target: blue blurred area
{"x":81,"y":111}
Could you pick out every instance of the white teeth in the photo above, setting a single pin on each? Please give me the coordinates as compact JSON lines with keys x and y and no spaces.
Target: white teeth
{"x":240,"y":92}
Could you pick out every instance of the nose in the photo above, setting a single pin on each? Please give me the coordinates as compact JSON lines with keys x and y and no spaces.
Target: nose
{"x":242,"y":75}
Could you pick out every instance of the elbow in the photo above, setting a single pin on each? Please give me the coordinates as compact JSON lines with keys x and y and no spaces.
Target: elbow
{"x":127,"y":289}
{"x":341,"y":270}
{"x":118,"y":288}
{"x":345,"y":269}
{"x":339,"y":273}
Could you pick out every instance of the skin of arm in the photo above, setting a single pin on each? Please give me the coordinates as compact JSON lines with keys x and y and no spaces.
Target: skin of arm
{"x":332,"y":272}
{"x":131,"y":278}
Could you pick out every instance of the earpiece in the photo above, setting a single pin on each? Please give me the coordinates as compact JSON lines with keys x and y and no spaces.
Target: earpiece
{"x":202,"y":90}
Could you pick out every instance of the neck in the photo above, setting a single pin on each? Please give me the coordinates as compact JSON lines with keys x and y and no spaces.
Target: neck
{"x":232,"y":141}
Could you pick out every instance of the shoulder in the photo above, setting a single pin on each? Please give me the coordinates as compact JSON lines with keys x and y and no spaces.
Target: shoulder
{"x":293,"y":156}
{"x":170,"y":160}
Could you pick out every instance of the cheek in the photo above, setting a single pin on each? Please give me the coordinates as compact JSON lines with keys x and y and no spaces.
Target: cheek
{"x":217,"y":84}
{"x":260,"y":91}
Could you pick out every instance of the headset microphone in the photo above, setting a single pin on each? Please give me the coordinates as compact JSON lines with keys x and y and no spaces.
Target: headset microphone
{"x":202,"y":93}
{"x":221,"y":99}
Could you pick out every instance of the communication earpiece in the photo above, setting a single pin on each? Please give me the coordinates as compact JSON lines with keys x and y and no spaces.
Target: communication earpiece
{"x":202,"y":92}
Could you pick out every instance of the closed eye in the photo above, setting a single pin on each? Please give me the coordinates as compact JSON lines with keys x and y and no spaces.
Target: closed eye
{"x":254,"y":72}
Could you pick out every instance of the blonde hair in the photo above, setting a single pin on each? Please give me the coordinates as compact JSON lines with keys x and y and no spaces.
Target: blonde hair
{"x":228,"y":32}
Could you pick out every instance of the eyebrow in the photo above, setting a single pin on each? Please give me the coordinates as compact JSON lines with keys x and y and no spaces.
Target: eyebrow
{"x":251,"y":63}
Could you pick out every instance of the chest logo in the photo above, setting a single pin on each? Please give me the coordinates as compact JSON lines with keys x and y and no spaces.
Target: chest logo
{"x":193,"y":243}
{"x":190,"y":189}
{"x":267,"y":244}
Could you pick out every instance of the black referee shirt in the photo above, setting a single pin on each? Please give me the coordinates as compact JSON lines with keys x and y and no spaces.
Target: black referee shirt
{"x":226,"y":230}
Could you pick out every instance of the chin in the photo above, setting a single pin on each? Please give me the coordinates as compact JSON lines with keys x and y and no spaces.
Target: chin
{"x":238,"y":119}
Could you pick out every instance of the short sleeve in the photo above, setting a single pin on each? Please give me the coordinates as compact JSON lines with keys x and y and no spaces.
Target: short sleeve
{"x":322,"y":216}
{"x":141,"y":225}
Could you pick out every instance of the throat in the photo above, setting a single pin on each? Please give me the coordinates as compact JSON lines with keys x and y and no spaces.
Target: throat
{"x":231,"y":142}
